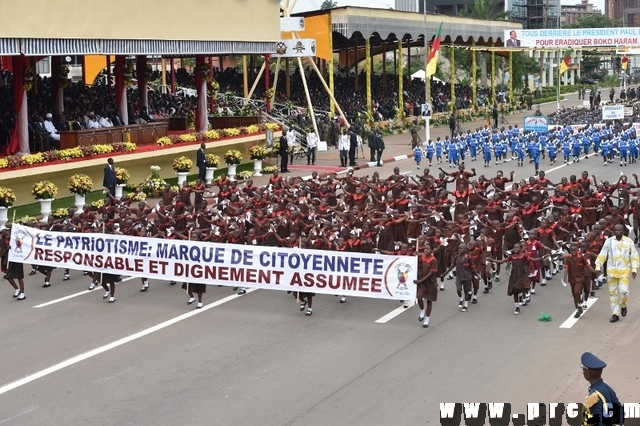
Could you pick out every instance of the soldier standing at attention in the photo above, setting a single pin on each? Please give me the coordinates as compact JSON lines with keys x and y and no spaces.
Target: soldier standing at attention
{"x":602,"y":406}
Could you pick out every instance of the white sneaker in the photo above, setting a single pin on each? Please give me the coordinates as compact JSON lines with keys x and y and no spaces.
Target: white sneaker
{"x":21,"y":296}
{"x":533,"y":291}
{"x":16,"y":293}
{"x":106,"y":295}
{"x":92,"y":286}
{"x":584,"y":306}
{"x":112,"y":299}
{"x":199,"y":305}
{"x":425,"y":324}
{"x":406,"y":304}
{"x":191,"y":300}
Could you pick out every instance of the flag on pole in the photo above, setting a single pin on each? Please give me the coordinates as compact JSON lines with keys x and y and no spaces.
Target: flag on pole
{"x":624,"y":62}
{"x":433,"y":54}
{"x":566,"y":57}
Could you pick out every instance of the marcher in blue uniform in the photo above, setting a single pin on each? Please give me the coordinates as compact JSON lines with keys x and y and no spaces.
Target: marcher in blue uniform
{"x":624,"y":152}
{"x":601,"y":406}
{"x":566,"y":150}
{"x":473,"y":148}
{"x":417,"y":155}
{"x":486,"y":152}
{"x":576,"y":147}
{"x":439,"y":148}
{"x":519,"y":149}
{"x":430,"y":151}
{"x":552,"y":148}
{"x":585,"y":145}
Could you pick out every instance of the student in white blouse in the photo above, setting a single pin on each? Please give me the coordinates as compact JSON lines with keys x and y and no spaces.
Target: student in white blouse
{"x":312,"y":145}
{"x":291,"y":141}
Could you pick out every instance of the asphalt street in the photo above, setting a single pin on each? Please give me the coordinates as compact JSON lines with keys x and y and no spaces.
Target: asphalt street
{"x":71,"y":358}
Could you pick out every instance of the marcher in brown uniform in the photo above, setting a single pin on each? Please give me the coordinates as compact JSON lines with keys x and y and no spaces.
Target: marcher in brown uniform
{"x":519,"y":277}
{"x":427,"y":283}
{"x":575,"y":265}
{"x":465,"y":269}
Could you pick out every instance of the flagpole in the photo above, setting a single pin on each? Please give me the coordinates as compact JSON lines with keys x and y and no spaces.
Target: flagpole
{"x":427,"y":81}
{"x":559,"y":76}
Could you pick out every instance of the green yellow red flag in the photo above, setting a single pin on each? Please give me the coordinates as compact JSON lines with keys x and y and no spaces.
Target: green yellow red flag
{"x":433,"y":54}
{"x":566,"y":58}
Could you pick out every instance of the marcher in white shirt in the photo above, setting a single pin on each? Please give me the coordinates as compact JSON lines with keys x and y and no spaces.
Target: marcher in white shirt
{"x":343,"y":145}
{"x":293,"y":144}
{"x":92,"y":122}
{"x":312,"y":145}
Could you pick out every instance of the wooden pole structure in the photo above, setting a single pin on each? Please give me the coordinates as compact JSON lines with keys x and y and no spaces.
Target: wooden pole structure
{"x":400,"y":71}
{"x":306,"y":92}
{"x":452,"y":77}
{"x":245,"y":77}
{"x":367,"y":48}
{"x":474,"y":76}
{"x":493,"y":73}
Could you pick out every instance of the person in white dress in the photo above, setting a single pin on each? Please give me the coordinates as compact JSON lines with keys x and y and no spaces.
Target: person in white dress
{"x":343,"y":145}
{"x":293,"y":144}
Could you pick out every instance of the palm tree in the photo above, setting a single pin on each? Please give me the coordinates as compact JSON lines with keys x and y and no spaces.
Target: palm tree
{"x":328,"y":4}
{"x":488,"y":10}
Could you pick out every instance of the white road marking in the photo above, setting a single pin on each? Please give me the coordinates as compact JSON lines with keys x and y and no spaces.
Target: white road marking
{"x":570,"y":322}
{"x":78,"y":358}
{"x":400,"y":157}
{"x":391,"y":315}
{"x":71,"y":296}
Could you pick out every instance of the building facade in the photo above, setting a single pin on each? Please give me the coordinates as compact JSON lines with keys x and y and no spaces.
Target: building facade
{"x":570,"y":14}
{"x":443,"y":7}
{"x":625,"y":11}
{"x":535,"y":14}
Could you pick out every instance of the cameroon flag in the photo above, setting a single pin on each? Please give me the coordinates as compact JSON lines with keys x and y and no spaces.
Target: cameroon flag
{"x":624,"y":62}
{"x":433,"y":54}
{"x":564,"y":65}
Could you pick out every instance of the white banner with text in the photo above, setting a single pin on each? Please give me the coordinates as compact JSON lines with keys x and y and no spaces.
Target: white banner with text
{"x":273,"y":268}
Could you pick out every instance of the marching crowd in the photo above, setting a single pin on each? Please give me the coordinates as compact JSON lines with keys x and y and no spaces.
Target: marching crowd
{"x":471,"y":229}
{"x":571,"y":143}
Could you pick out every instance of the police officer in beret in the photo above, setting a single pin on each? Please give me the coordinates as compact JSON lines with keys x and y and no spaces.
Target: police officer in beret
{"x":602,"y":406}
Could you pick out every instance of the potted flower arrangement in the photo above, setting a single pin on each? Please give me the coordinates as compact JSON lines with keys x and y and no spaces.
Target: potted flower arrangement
{"x":153,"y":183}
{"x":80,"y":185}
{"x":44,"y":191}
{"x":182,"y":166}
{"x":122,"y":178}
{"x":7,"y":198}
{"x":257,"y":154}
{"x":232,"y":157}
{"x":211,"y":162}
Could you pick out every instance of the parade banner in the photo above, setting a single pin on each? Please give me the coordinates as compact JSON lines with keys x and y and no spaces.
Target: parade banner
{"x":273,"y":268}
{"x":572,"y":37}
{"x":536,"y":123}
{"x":612,"y":112}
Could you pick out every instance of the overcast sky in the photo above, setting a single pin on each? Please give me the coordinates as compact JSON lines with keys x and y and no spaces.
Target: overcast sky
{"x":304,"y":5}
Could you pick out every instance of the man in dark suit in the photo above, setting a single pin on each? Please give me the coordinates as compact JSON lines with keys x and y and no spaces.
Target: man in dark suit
{"x":60,"y":123}
{"x":145,"y":116}
{"x":353,"y":145}
{"x":44,"y":134}
{"x":284,"y":153}
{"x":513,"y":40}
{"x":79,"y":124}
{"x":371,"y":142}
{"x":115,"y":119}
{"x":201,"y":162}
{"x":109,"y":180}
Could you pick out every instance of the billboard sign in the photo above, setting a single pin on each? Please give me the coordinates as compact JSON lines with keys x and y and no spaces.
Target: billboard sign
{"x":572,"y":37}
{"x":536,"y":123}
{"x":613,"y":112}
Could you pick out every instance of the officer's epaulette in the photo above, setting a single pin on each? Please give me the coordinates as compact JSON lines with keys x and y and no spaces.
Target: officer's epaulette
{"x":591,"y":400}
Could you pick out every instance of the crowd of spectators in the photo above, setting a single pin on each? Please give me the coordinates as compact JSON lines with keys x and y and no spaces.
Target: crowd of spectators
{"x":81,"y":100}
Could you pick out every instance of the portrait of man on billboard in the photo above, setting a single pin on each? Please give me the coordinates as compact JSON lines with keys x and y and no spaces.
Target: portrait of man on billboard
{"x":513,"y":39}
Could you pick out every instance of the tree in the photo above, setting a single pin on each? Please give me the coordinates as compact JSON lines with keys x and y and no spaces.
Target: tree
{"x":488,"y":10}
{"x":328,"y":4}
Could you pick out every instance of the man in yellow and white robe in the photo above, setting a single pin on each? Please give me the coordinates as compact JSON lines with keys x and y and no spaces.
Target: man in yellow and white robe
{"x":622,"y":262}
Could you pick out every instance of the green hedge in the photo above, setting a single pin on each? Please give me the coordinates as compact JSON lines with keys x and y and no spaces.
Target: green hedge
{"x":546,"y":99}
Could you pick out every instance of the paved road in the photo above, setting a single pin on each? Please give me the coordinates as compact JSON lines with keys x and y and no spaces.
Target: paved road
{"x":255,"y":359}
